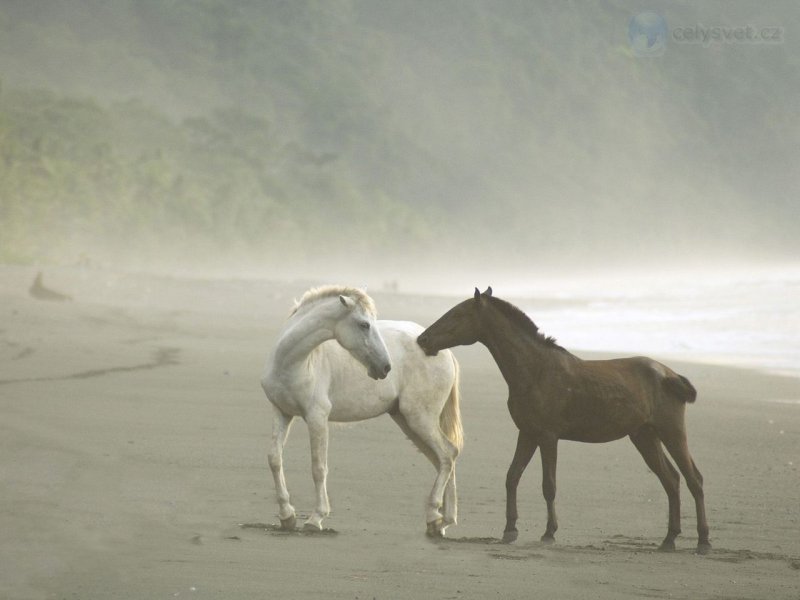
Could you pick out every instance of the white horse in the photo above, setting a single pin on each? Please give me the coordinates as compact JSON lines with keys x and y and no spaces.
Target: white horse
{"x":314,"y":373}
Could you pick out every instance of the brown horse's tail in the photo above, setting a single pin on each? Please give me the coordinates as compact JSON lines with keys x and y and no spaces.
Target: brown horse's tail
{"x":450,"y":419}
{"x":680,"y":388}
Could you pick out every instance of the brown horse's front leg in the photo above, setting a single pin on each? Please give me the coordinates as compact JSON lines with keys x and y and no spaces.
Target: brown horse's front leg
{"x":549,"y":450}
{"x":526,"y":446}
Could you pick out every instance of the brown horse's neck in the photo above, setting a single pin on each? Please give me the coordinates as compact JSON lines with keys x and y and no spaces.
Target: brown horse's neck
{"x":522,"y":356}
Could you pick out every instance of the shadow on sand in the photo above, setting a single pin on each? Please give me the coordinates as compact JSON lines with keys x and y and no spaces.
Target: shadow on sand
{"x":274,"y":529}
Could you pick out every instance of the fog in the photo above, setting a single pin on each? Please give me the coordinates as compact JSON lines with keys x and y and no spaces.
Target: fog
{"x":437,"y":145}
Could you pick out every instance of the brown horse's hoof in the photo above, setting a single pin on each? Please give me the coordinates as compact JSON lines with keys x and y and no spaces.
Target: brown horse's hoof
{"x":548,"y":540}
{"x":509,"y":537}
{"x":289,"y":524}
{"x":703,"y":548}
{"x":667,"y":546}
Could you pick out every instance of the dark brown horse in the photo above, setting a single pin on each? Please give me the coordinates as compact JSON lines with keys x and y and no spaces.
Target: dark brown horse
{"x":555,"y":395}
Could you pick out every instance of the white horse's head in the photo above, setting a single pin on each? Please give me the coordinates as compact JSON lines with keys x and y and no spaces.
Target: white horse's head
{"x":357,"y":332}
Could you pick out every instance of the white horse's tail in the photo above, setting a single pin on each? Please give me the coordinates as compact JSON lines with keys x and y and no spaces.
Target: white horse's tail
{"x":450,"y":419}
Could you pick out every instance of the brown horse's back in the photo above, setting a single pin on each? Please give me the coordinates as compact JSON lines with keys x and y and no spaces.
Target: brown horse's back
{"x":675,"y":385}
{"x":679,"y":387}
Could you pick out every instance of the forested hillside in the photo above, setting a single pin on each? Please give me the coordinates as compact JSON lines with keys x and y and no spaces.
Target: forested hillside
{"x":522,"y":131}
{"x":128,"y":179}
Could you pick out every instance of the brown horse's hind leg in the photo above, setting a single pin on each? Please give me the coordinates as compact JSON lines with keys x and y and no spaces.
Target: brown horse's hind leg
{"x":649,"y":446}
{"x":526,"y":446}
{"x":678,"y":448}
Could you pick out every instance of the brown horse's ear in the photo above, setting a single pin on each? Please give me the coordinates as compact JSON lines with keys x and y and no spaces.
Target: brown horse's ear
{"x":477,"y":294}
{"x":488,"y":292}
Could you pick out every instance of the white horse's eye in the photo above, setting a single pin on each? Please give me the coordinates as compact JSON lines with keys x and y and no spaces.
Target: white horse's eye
{"x":364,"y":325}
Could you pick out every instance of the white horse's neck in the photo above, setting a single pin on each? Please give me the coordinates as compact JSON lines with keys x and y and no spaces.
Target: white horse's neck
{"x":306,"y":330}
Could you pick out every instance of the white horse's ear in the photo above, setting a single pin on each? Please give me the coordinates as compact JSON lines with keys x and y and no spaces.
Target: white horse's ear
{"x":488,"y":292}
{"x":347,"y":302}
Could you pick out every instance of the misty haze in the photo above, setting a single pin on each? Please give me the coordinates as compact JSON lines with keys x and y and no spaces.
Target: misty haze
{"x":175,"y":174}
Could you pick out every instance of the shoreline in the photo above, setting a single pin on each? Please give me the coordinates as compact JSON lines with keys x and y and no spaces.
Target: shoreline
{"x":126,"y":289}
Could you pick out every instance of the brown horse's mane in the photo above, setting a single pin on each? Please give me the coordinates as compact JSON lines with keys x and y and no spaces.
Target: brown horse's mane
{"x":524,"y":322}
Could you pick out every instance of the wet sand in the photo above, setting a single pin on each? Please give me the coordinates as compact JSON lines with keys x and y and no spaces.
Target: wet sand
{"x":133,"y":439}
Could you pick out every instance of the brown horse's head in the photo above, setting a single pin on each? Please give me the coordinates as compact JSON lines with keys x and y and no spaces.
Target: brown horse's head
{"x":459,"y":326}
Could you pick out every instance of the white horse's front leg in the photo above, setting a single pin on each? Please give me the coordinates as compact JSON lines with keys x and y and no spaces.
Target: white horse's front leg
{"x":318,"y":436}
{"x":280,"y":430}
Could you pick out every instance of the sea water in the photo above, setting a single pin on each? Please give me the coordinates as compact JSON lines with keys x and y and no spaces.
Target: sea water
{"x":741,"y":319}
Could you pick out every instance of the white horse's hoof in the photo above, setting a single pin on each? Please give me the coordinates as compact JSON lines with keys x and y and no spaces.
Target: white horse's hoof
{"x":289,"y":523}
{"x":435,"y":529}
{"x":311,"y":527}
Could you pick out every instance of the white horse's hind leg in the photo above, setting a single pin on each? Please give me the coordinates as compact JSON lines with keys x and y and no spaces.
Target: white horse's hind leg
{"x":426,"y":427}
{"x":318,"y":436}
{"x":280,"y":430}
{"x":450,"y":499}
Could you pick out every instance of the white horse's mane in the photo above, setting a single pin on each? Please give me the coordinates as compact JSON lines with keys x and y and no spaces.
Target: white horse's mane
{"x":330,"y":291}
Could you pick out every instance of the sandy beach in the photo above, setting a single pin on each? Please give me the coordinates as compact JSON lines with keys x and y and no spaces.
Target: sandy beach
{"x":133,"y":442}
